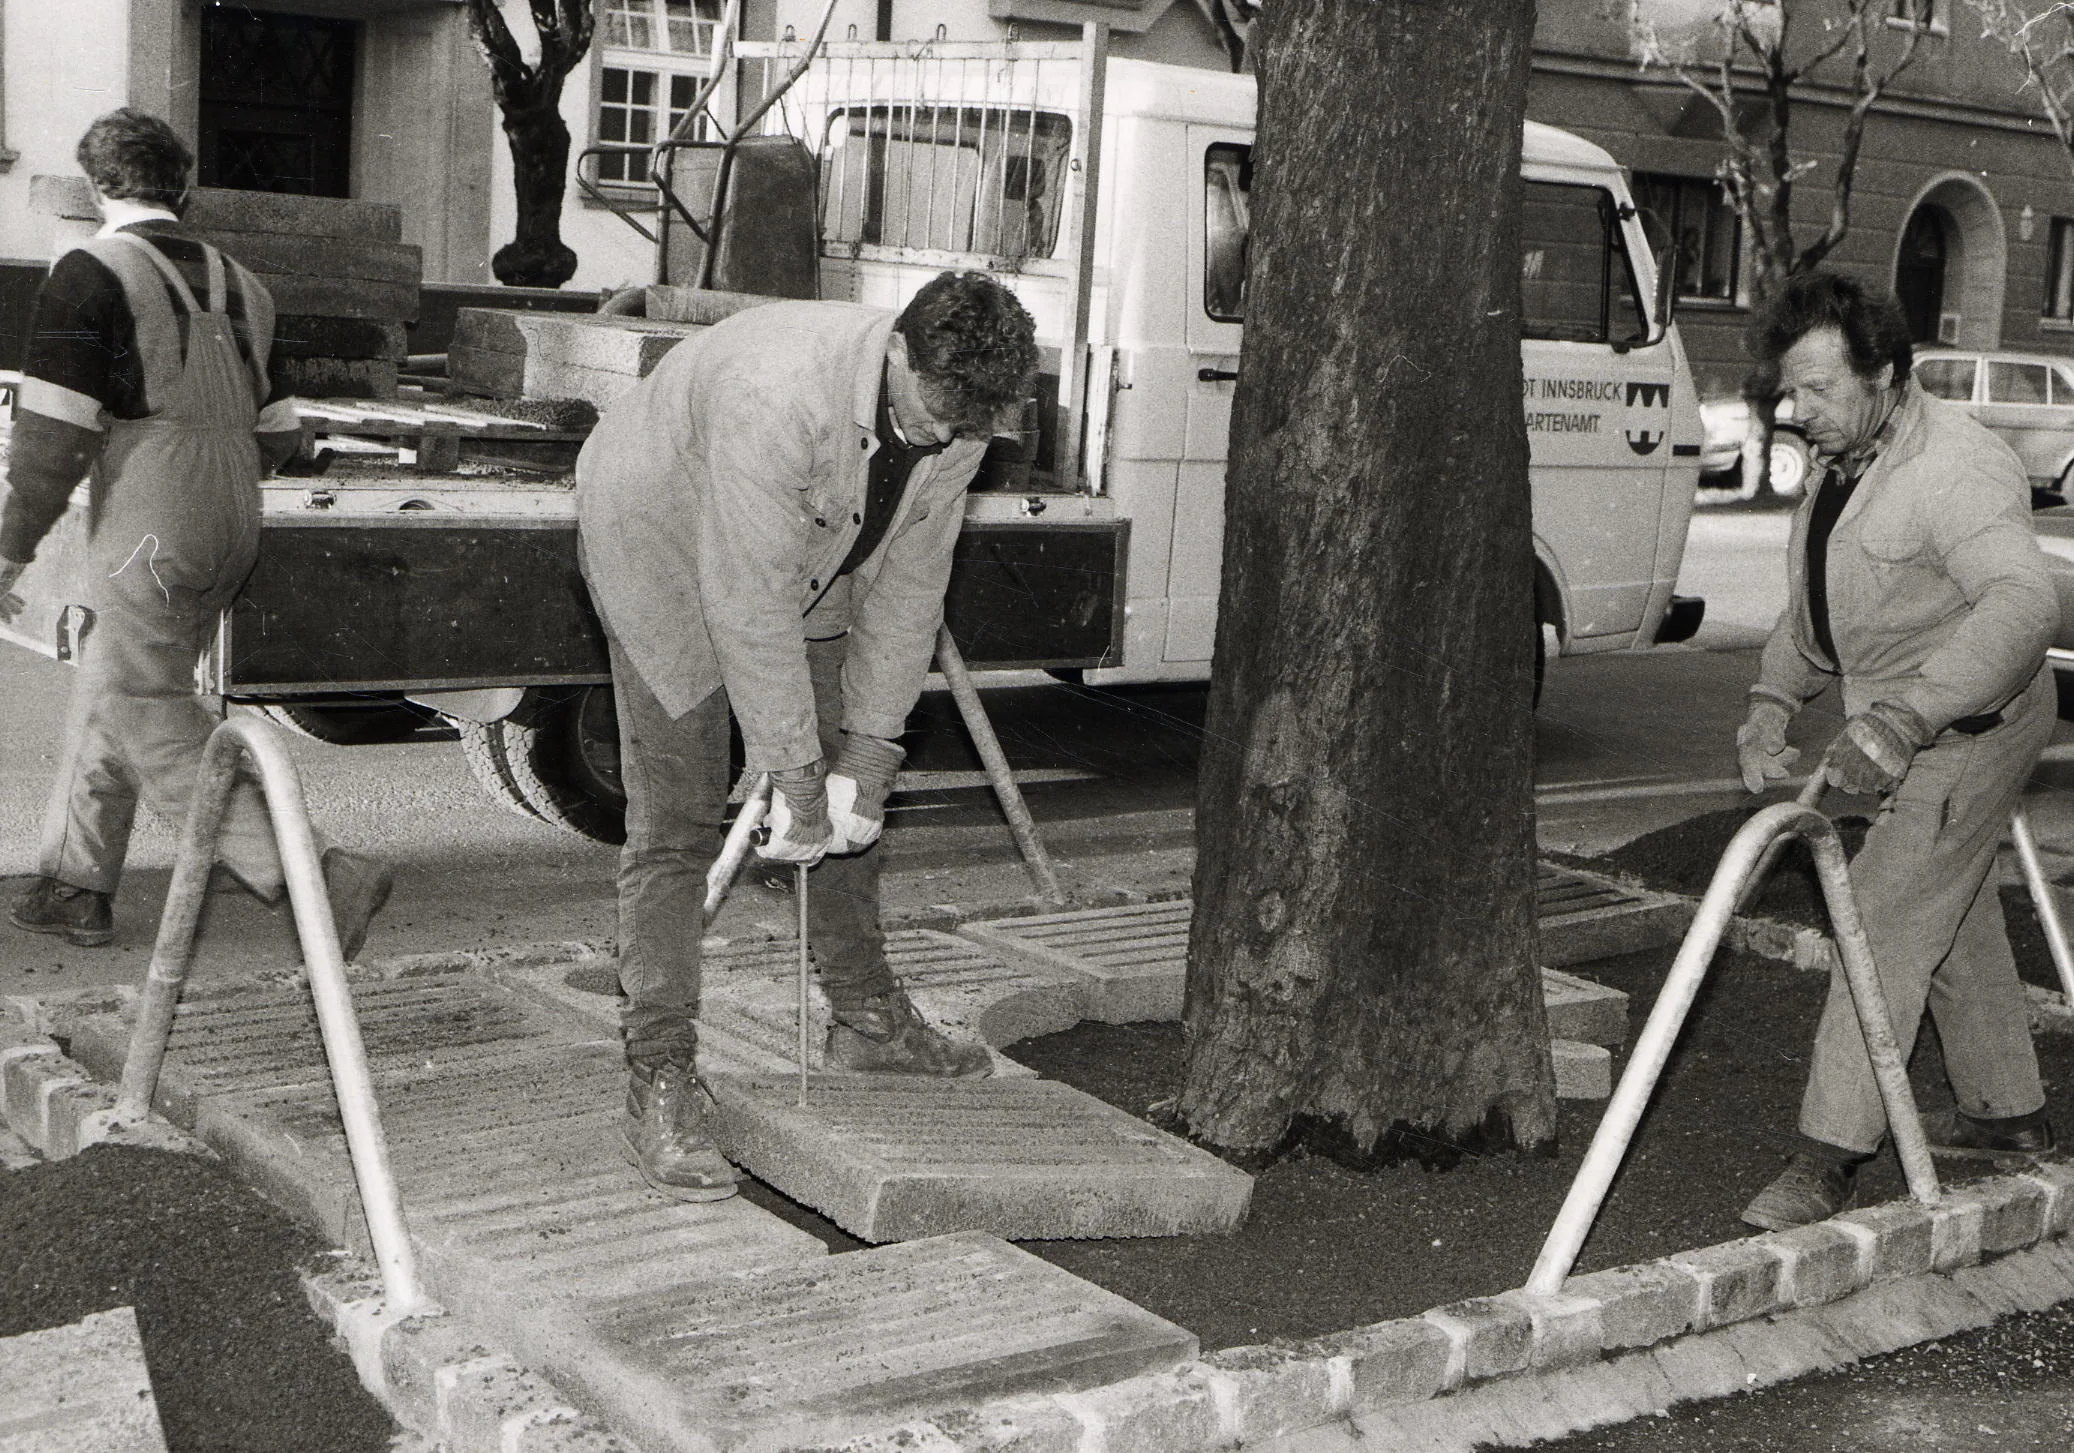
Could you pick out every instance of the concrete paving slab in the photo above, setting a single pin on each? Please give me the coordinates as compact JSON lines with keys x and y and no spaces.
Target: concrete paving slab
{"x":81,"y":1388}
{"x":1133,"y":963}
{"x":1133,"y":958}
{"x":749,"y":1009}
{"x":823,"y":1353}
{"x":893,"y":1158}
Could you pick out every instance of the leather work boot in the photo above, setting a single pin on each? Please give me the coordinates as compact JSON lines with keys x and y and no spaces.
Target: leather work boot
{"x":1805,"y":1192}
{"x":358,"y":886}
{"x":886,"y":1034}
{"x":83,"y":916}
{"x":665,"y":1135}
{"x":2018,"y":1137}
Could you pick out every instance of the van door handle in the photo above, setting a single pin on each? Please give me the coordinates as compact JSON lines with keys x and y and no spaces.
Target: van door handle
{"x":1217,"y":375}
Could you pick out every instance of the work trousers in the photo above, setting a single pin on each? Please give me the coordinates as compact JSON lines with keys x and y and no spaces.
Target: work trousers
{"x":676,"y":774}
{"x":1927,"y":892}
{"x":136,"y":731}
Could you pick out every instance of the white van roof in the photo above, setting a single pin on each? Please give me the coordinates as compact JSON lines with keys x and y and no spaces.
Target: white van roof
{"x":1551,"y":146}
{"x":1191,"y":93}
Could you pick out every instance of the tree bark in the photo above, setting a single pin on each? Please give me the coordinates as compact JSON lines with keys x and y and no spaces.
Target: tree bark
{"x":536,"y":257}
{"x":1361,"y":970}
{"x":529,"y":97}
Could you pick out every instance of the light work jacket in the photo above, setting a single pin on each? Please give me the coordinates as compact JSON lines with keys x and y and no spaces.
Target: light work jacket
{"x":717,"y":499}
{"x":1939,"y":597}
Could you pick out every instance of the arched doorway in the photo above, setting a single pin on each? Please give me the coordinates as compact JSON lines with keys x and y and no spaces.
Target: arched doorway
{"x":1951,"y":264}
{"x":1919,"y":272}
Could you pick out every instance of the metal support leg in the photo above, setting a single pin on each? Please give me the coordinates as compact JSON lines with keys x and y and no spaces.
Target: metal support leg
{"x":2043,"y":900}
{"x":173,"y":955}
{"x":1745,"y":857}
{"x":952,"y":663}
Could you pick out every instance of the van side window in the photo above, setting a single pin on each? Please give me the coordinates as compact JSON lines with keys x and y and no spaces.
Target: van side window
{"x":1227,"y":221}
{"x":1575,"y":282}
{"x":975,"y":179}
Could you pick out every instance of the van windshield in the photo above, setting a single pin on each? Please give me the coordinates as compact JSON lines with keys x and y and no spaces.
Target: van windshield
{"x":1576,"y":285}
{"x":974,"y":179}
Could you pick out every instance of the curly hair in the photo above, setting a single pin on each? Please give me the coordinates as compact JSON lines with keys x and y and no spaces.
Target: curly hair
{"x":1874,"y":329}
{"x":973,"y":346}
{"x":131,"y":153}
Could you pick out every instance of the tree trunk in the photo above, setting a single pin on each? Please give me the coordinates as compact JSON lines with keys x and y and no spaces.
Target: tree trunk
{"x":537,"y":257}
{"x":1361,"y":972}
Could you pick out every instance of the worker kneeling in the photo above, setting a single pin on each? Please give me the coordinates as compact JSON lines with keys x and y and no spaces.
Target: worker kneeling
{"x":766,"y":527}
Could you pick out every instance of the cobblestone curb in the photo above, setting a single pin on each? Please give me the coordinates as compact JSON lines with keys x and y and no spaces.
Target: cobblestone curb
{"x":442,"y":1381}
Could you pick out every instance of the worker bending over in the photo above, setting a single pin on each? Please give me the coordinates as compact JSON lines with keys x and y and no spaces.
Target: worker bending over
{"x":766,"y":526}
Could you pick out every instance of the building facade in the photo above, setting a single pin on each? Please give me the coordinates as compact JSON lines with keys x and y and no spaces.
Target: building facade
{"x":1964,"y":200}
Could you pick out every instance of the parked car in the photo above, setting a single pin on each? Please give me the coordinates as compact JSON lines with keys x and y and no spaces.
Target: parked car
{"x":1726,"y":426}
{"x":2025,"y":398}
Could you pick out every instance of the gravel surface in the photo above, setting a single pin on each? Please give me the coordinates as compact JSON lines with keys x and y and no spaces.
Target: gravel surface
{"x":239,"y":1363}
{"x":1326,"y":1248}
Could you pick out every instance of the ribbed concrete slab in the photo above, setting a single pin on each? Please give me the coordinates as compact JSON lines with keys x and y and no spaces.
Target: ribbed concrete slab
{"x":823,"y":1353}
{"x":892,"y":1158}
{"x":502,"y":1127}
{"x":1585,"y":916}
{"x":750,"y":1000}
{"x":1134,"y":960}
{"x":81,"y":1388}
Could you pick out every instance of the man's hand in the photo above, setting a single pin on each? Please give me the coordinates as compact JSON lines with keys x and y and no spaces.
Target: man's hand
{"x":1871,"y":754}
{"x":1761,"y":750}
{"x":10,"y":603}
{"x":858,"y":788}
{"x":798,"y":821}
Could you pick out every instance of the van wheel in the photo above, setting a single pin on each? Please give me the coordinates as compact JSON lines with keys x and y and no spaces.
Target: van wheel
{"x":561,"y":749}
{"x":482,"y":746}
{"x":360,"y":724}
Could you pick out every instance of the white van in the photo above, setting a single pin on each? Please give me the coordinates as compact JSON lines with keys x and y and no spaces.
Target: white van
{"x":968,"y":155}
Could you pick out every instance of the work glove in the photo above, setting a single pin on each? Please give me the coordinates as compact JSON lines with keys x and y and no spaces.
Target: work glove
{"x":798,"y":820}
{"x":1871,"y":754}
{"x":10,"y":603}
{"x":858,"y":788}
{"x":1761,"y":750}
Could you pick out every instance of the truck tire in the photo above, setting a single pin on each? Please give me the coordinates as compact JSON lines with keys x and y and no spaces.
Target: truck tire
{"x":482,"y":745}
{"x":561,"y":751}
{"x":358,"y":724}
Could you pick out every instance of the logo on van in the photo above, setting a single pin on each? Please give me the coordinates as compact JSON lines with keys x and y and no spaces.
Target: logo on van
{"x":1648,"y":396}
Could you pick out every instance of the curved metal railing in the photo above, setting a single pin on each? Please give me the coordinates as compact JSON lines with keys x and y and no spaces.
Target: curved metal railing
{"x":238,"y":738}
{"x":1749,"y":853}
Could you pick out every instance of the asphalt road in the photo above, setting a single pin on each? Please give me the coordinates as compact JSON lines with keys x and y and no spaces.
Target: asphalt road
{"x":1626,"y":742}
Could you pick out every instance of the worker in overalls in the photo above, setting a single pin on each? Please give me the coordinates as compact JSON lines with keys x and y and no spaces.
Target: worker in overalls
{"x":1916,"y":584}
{"x":147,"y":366}
{"x":766,"y":525}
